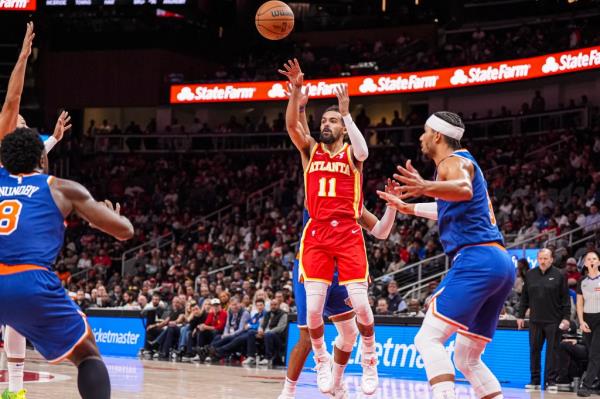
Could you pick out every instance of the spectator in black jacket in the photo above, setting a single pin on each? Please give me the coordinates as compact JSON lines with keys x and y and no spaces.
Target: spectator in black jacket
{"x":395,"y":302}
{"x":546,"y":295}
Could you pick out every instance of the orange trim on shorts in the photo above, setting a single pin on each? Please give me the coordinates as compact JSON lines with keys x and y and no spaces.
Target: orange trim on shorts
{"x":485,"y":244}
{"x":320,"y":280}
{"x":12,"y":269}
{"x":332,"y":318}
{"x":88,"y":331}
{"x":444,"y":318}
{"x":474,"y":336}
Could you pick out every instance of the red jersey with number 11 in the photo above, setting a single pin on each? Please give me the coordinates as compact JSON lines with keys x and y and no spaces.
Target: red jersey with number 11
{"x":333,"y":185}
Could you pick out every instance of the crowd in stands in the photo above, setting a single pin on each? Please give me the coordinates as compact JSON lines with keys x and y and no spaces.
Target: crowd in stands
{"x":194,"y":310}
{"x":354,"y":57}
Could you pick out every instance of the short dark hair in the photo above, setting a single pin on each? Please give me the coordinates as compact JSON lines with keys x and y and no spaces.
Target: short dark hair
{"x":334,"y":108}
{"x":260,"y":300}
{"x":21,"y":151}
{"x":454,"y":120}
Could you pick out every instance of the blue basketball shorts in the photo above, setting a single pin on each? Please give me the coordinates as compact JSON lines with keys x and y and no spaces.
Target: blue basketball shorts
{"x":36,"y":305}
{"x":472,"y":294}
{"x":335,"y":303}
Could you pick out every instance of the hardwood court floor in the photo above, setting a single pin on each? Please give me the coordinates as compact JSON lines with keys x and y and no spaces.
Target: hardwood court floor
{"x":137,"y":379}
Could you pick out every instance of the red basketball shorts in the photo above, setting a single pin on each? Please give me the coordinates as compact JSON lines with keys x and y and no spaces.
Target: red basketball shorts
{"x":327,"y":244}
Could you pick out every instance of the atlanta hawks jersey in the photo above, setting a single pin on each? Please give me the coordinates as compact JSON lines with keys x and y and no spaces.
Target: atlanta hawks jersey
{"x":333,"y":185}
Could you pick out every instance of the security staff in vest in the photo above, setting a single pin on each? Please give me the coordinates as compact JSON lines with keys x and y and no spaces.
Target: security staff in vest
{"x":588,"y":312}
{"x":546,"y":294}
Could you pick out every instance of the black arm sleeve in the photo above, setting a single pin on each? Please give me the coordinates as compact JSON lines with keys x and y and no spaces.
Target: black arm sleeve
{"x":565,"y":299}
{"x":524,"y":302}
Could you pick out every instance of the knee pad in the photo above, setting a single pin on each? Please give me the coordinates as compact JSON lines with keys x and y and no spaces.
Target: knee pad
{"x":347,"y":333}
{"x":14,"y":343}
{"x":467,"y":358}
{"x":316,"y":293}
{"x":430,"y":341}
{"x":359,"y":297}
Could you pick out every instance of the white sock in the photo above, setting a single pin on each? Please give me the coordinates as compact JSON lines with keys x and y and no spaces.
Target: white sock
{"x":338,"y":374}
{"x":318,"y":345}
{"x":368,"y":344}
{"x":444,"y":390}
{"x":290,"y":387}
{"x":15,"y":376}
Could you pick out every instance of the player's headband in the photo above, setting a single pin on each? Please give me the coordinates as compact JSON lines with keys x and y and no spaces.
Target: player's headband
{"x":445,"y":128}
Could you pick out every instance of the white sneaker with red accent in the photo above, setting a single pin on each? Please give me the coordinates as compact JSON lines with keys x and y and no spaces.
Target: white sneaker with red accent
{"x":369,"y":380}
{"x":323,"y":367}
{"x":340,"y":392}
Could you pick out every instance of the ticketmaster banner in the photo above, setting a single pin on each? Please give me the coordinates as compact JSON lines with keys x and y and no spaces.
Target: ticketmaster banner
{"x":507,"y":355}
{"x":529,"y":254}
{"x":118,"y":336}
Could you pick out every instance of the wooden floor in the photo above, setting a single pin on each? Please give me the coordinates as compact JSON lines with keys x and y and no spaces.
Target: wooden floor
{"x":137,"y":379}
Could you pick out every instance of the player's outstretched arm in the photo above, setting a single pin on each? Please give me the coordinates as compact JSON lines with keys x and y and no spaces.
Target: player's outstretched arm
{"x":391,"y":196}
{"x":62,"y":125}
{"x":379,"y":228}
{"x":454,"y":182}
{"x":359,"y":144}
{"x":100,"y":215}
{"x":301,"y":140}
{"x":10,"y":108}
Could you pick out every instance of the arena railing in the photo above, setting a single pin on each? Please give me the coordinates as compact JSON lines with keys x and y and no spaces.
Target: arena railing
{"x":479,"y":130}
{"x":128,"y":257}
{"x":413,"y":289}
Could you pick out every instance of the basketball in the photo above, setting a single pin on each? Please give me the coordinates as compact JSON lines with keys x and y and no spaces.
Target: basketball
{"x":274,"y":20}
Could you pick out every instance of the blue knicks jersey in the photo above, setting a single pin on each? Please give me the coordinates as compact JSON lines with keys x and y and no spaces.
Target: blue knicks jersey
{"x":305,"y":218}
{"x":468,"y":222}
{"x":32,"y":227}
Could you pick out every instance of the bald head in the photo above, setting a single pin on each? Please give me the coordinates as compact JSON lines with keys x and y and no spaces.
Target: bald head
{"x":545,"y":258}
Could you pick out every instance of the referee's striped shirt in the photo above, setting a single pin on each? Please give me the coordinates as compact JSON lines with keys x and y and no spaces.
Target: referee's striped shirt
{"x":590,"y":289}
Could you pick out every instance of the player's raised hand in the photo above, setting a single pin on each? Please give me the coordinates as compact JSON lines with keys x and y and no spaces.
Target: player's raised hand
{"x":303,"y":100}
{"x":393,"y":201}
{"x":27,"y":41}
{"x":341,"y":92}
{"x":62,"y":125}
{"x":413,"y":185}
{"x":293,"y":73}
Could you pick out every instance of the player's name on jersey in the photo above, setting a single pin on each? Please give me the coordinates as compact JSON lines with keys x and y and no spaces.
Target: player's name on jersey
{"x":335,"y":167}
{"x":27,"y":191}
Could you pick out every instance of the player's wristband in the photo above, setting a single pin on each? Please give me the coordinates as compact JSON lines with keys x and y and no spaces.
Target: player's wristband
{"x":427,"y":210}
{"x":301,"y":109}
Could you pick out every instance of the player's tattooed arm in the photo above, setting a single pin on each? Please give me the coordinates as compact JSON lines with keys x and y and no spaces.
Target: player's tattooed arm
{"x":301,"y":140}
{"x":100,"y":214}
{"x":12,"y":102}
{"x":454,"y":182}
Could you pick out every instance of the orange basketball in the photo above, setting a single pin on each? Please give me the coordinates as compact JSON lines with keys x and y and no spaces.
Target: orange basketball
{"x":274,"y":20}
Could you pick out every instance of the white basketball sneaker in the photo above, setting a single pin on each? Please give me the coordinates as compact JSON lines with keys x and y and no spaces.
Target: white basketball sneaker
{"x":323,"y":367}
{"x":340,"y":392}
{"x":369,"y":380}
{"x":286,"y":395}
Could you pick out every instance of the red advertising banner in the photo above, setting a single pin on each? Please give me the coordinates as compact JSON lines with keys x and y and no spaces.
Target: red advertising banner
{"x":17,"y":5}
{"x":409,"y":82}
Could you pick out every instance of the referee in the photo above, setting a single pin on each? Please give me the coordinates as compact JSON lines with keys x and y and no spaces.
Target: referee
{"x":588,"y":312}
{"x":546,"y":294}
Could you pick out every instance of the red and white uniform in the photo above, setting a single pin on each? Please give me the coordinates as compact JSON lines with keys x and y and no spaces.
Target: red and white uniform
{"x":333,"y":236}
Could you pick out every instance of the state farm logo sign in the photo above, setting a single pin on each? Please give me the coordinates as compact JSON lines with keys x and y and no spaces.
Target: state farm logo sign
{"x":17,"y":5}
{"x":205,"y":93}
{"x":312,"y":89}
{"x":400,"y":83}
{"x":569,"y":62}
{"x":489,"y":74}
